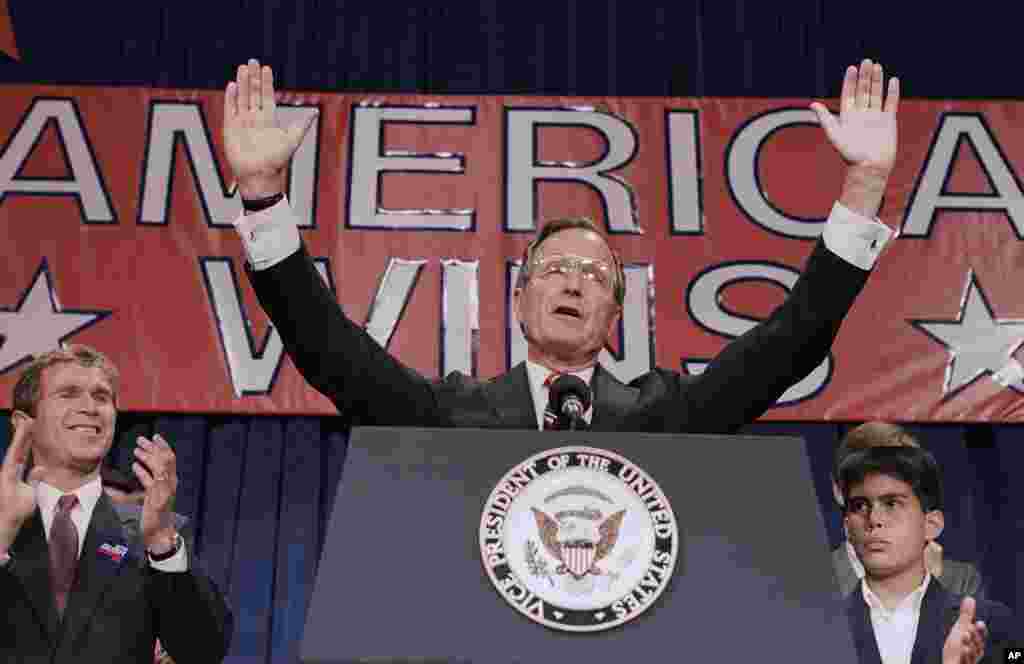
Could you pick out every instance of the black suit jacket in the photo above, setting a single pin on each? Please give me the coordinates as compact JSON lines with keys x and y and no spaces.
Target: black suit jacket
{"x":116,"y":609}
{"x":939,"y":610}
{"x":370,"y":387}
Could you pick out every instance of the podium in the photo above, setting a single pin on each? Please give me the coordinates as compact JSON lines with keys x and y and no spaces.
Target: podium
{"x":402,"y":577}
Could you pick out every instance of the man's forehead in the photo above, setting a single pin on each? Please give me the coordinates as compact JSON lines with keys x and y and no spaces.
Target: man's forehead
{"x":879,"y":484}
{"x":579,"y":241}
{"x":67,"y":374}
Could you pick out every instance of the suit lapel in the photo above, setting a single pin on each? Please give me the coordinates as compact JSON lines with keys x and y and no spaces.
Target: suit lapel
{"x":32,"y":567}
{"x":863,"y":631}
{"x":511,"y":399}
{"x":845,"y":574}
{"x":612,"y":401}
{"x":931,"y":625}
{"x":96,"y":569}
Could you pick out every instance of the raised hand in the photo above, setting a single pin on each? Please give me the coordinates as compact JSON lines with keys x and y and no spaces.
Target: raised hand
{"x":258,"y":150}
{"x":864,"y":134}
{"x":865,"y":131}
{"x":157,"y":471}
{"x":17,"y":495}
{"x":966,"y":641}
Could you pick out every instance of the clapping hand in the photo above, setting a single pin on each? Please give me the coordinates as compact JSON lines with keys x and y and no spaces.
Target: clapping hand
{"x":17,"y":493}
{"x":156,"y":468}
{"x":966,"y":641}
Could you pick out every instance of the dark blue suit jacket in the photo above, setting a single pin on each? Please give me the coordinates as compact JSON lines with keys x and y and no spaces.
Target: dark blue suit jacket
{"x":939,"y":610}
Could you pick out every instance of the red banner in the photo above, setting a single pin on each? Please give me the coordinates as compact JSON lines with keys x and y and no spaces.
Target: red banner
{"x":116,"y":208}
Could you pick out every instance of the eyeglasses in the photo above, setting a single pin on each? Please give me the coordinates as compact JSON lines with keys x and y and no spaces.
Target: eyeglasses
{"x":590,"y":269}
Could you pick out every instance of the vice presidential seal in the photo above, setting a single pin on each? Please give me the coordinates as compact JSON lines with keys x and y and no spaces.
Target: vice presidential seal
{"x":579,"y":539}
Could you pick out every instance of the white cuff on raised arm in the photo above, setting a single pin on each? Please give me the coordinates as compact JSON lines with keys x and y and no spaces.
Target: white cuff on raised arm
{"x":176,"y":563}
{"x":269,"y":236}
{"x":855,"y":239}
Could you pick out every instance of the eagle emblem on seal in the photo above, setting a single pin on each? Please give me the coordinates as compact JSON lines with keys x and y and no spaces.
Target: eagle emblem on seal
{"x":577,"y":547}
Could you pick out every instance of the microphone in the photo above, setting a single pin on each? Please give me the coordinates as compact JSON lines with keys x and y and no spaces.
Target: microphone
{"x":569,"y":397}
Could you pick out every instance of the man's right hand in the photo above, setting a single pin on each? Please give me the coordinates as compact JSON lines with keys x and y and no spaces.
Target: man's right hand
{"x":17,"y":495}
{"x":258,"y":151}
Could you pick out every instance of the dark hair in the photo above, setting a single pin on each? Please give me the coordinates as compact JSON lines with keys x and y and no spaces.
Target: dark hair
{"x":868,"y":435}
{"x":913,"y":465}
{"x":564,"y":224}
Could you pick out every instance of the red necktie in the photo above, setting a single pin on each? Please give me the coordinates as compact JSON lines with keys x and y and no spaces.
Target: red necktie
{"x":63,"y":550}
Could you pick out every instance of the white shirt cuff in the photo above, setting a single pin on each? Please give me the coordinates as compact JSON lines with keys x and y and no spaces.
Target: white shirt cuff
{"x":855,"y":239}
{"x":269,"y":236}
{"x":176,"y":563}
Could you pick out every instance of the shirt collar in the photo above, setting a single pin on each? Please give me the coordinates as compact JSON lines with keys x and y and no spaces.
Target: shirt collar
{"x":912,"y":601}
{"x":88,"y":495}
{"x":538,"y":374}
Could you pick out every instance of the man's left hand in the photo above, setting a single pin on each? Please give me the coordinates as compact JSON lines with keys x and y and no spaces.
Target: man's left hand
{"x":965,"y":643}
{"x":864,"y":134}
{"x":156,"y":469}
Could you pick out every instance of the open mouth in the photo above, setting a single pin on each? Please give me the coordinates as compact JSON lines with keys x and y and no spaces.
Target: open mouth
{"x":87,"y":428}
{"x":569,"y":312}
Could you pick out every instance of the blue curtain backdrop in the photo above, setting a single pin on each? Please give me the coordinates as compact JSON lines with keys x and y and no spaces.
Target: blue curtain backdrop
{"x":260,"y":488}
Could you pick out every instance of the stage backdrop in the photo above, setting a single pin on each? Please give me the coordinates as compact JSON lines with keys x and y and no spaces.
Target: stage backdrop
{"x":117,"y":209}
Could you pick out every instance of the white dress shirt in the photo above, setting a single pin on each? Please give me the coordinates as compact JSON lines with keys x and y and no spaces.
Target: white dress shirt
{"x":88,"y":495}
{"x":269,"y":236}
{"x":896,"y":629}
{"x":539,"y":391}
{"x":81,"y":515}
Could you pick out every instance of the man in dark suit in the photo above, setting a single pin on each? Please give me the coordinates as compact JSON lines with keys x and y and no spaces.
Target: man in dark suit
{"x":568,"y":299}
{"x":127,"y":495}
{"x":959,"y":577}
{"x":899,"y":614}
{"x":83,"y":580}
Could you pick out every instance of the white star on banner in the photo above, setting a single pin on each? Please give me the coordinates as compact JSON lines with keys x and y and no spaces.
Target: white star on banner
{"x":977,"y":342}
{"x":38,"y":324}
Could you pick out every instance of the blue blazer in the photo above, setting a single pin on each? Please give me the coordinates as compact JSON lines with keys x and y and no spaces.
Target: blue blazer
{"x":939,"y":610}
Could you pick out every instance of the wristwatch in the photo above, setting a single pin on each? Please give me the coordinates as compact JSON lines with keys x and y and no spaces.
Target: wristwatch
{"x":260,"y":204}
{"x":179,"y":542}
